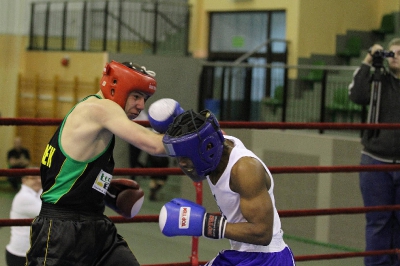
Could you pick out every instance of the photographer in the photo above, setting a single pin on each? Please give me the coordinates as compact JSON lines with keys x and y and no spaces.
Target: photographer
{"x":381,"y":147}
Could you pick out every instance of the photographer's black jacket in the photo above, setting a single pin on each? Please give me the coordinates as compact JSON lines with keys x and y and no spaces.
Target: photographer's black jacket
{"x":381,"y":143}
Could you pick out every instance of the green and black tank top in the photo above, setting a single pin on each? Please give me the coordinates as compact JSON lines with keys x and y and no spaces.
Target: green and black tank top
{"x":76,"y":185}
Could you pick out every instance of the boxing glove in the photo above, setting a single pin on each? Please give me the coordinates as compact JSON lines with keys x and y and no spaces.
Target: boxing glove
{"x":181,"y":217}
{"x":125,"y":197}
{"x":162,"y":113}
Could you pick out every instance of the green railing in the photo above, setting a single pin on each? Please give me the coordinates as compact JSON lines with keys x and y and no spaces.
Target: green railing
{"x":126,"y":26}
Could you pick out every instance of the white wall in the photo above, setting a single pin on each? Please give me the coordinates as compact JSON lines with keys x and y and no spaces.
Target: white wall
{"x":15,"y":17}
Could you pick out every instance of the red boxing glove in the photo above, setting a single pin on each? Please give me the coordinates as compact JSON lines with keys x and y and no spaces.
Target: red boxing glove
{"x":125,"y":197}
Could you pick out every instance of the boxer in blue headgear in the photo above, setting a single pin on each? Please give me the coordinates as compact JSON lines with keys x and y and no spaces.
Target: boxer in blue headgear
{"x":198,"y":137}
{"x":240,"y":183}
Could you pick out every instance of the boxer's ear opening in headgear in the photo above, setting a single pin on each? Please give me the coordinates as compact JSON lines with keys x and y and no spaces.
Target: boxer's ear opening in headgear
{"x":198,"y":137}
{"x":120,"y":79}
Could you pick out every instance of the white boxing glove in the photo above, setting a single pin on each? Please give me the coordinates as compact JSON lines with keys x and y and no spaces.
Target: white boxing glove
{"x":162,"y":113}
{"x":181,"y":217}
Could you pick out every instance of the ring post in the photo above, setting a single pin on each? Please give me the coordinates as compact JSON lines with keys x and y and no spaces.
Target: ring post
{"x":194,"y":259}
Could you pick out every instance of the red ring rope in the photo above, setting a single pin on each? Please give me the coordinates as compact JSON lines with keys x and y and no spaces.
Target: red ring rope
{"x":274,"y":170}
{"x":282,"y":213}
{"x":224,"y":124}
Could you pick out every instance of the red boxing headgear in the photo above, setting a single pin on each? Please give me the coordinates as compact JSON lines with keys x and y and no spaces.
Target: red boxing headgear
{"x":120,"y":80}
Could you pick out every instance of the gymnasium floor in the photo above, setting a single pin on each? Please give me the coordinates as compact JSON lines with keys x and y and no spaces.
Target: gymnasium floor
{"x":151,"y":247}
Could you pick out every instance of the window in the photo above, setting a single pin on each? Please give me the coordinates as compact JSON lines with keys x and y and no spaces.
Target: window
{"x":233,"y":34}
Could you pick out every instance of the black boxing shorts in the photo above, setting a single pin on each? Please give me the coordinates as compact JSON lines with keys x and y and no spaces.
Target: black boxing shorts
{"x":65,"y":238}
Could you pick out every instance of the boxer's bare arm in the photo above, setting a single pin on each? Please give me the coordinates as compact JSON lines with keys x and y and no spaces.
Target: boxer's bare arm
{"x":89,"y":128}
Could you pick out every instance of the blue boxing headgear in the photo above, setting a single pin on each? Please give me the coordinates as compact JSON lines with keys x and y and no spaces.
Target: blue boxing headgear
{"x":198,"y":137}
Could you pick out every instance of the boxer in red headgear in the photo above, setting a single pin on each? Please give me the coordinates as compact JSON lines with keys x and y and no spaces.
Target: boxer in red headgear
{"x":119,"y":81}
{"x":76,"y":172}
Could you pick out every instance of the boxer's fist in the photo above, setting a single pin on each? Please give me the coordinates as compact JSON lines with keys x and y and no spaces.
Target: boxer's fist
{"x":162,"y":113}
{"x":125,"y":197}
{"x":181,"y":217}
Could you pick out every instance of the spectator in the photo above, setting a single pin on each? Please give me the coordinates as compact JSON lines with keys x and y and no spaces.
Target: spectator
{"x":156,"y":181}
{"x":26,"y":204}
{"x":18,"y":157}
{"x":381,"y":147}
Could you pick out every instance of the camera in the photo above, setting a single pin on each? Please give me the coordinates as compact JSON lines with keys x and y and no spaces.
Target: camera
{"x":383,"y":54}
{"x":378,"y":56}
